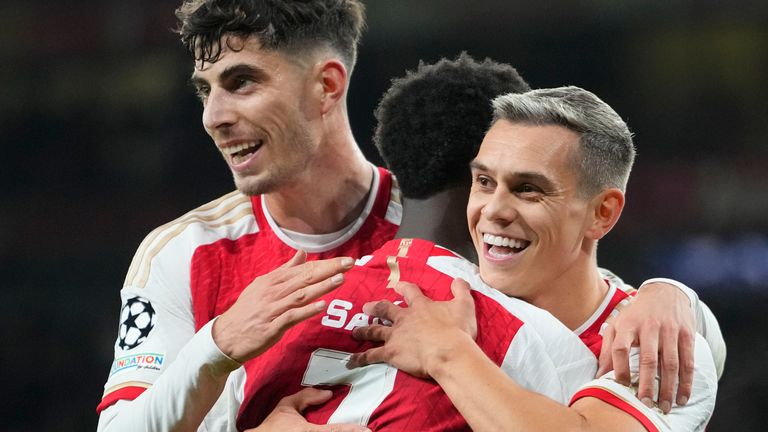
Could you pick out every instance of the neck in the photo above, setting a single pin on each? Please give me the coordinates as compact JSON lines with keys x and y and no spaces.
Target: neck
{"x":441,"y":219}
{"x":574,"y":295}
{"x":331,"y":191}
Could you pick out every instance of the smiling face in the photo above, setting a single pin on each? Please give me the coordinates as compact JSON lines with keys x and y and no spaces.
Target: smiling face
{"x":525,"y":216}
{"x":262,"y":111}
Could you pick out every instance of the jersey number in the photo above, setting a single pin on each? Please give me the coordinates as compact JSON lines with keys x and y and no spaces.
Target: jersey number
{"x":369,"y":384}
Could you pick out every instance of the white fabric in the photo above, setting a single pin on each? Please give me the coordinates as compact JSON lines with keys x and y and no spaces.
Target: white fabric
{"x":706,"y":323}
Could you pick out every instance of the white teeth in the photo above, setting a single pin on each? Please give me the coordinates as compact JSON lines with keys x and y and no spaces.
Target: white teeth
{"x":503,"y":241}
{"x":240,"y":147}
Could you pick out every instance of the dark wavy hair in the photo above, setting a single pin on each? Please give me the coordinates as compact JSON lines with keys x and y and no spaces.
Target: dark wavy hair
{"x":431,"y":122}
{"x":290,"y":26}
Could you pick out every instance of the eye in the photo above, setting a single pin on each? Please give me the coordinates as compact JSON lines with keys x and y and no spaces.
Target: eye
{"x":241,"y":82}
{"x":482,"y":181}
{"x":529,"y":191}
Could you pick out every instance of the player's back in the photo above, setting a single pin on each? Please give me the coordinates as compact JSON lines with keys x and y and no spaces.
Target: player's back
{"x":528,"y":343}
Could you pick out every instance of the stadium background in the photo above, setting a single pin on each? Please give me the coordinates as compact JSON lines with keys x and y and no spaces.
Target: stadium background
{"x":101,"y":142}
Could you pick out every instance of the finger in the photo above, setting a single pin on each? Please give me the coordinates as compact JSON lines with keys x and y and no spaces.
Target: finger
{"x":299,"y":257}
{"x":649,"y":361}
{"x":373,"y":333}
{"x":685,"y":346}
{"x":293,"y":316}
{"x":301,"y":296}
{"x":305,"y":398}
{"x":461,"y":290}
{"x":383,"y":309}
{"x":605,"y":360}
{"x":669,"y":367}
{"x":367,"y":357}
{"x":620,"y":351}
{"x":311,"y":272}
{"x":462,"y":294}
{"x":410,"y":292}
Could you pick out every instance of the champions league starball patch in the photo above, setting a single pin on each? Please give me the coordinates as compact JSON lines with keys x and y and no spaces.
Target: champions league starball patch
{"x":137,"y":319}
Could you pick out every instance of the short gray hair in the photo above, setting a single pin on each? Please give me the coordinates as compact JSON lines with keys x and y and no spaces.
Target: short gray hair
{"x":606,"y":152}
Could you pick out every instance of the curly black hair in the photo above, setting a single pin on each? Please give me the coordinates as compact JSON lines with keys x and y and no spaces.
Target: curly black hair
{"x":278,"y":24}
{"x":431,"y":122}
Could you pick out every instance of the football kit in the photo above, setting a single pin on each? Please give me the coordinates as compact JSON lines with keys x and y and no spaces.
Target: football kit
{"x":529,"y":344}
{"x":693,"y":416}
{"x":189,"y":271}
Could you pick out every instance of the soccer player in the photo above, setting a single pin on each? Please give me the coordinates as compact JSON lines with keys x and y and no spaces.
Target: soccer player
{"x":204,"y":293}
{"x":527,"y":343}
{"x":547,"y":183}
{"x":273,"y":78}
{"x":429,"y":152}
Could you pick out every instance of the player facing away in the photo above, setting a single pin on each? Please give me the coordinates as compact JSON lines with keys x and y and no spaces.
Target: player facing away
{"x":547,"y":183}
{"x":273,"y":78}
{"x":429,"y":152}
{"x":527,"y":343}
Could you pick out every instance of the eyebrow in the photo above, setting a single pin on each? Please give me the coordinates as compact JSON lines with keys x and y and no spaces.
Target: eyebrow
{"x":228,"y":72}
{"x":526,"y":176}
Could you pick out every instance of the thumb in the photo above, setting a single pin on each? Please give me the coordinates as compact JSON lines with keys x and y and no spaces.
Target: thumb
{"x":461,"y":290}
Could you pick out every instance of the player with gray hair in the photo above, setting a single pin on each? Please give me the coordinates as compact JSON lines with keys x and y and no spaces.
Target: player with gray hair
{"x":535,"y":221}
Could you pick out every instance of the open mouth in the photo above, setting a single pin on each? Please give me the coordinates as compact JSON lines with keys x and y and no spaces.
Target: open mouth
{"x":502,"y":247}
{"x":242,"y":152}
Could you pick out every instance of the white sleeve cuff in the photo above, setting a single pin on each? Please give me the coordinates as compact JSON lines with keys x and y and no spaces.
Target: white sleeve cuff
{"x":692,"y":296}
{"x":203,"y":345}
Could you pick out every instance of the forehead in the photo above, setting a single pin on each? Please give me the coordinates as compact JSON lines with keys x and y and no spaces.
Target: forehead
{"x":522,"y":147}
{"x":241,"y":50}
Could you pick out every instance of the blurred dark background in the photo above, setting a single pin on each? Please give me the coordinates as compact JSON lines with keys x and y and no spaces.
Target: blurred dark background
{"x":101,"y":142}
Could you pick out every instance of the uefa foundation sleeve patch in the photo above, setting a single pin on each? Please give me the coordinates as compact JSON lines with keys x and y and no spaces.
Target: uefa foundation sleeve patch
{"x":137,"y":319}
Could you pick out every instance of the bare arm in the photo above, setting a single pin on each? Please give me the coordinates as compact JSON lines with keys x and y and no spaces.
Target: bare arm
{"x":435,"y":339}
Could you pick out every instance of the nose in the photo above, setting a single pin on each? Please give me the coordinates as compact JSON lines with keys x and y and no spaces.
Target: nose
{"x":218,"y":111}
{"x":500,"y":207}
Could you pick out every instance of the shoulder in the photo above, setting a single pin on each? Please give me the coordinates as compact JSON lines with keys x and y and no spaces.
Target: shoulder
{"x":174,"y":243}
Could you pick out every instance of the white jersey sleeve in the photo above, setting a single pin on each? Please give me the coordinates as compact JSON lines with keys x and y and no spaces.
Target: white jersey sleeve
{"x":164,"y":376}
{"x":706,"y":323}
{"x":544,"y":356}
{"x":182,"y":396}
{"x":693,"y":416}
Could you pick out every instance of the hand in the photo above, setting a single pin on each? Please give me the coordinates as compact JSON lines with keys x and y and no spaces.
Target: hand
{"x":286,"y":417}
{"x":421,"y":335}
{"x":661,"y":322}
{"x":275,"y":302}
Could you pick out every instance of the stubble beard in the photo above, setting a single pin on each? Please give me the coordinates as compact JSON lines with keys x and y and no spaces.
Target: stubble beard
{"x":280,"y":174}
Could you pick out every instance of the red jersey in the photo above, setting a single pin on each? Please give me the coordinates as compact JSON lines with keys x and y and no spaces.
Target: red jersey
{"x":693,"y":416}
{"x":192,"y":269}
{"x":528,"y":343}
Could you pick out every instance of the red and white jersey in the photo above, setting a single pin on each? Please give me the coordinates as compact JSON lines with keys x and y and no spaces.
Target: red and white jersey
{"x":189,"y":271}
{"x":693,"y":416}
{"x":529,"y":344}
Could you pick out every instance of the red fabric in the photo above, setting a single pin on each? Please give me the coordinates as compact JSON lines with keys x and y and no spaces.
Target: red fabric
{"x":221,"y":270}
{"x":619,"y":403}
{"x":125,"y":393}
{"x":413,"y":404}
{"x":591,"y":336}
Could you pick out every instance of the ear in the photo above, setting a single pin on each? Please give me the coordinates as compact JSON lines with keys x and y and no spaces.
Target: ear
{"x":332,"y":84}
{"x":606,"y":209}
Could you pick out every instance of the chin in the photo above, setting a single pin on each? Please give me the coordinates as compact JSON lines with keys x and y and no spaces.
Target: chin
{"x":253,"y":186}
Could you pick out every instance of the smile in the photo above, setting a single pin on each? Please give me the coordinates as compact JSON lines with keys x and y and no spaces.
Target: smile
{"x":240,"y":153}
{"x":502,"y":247}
